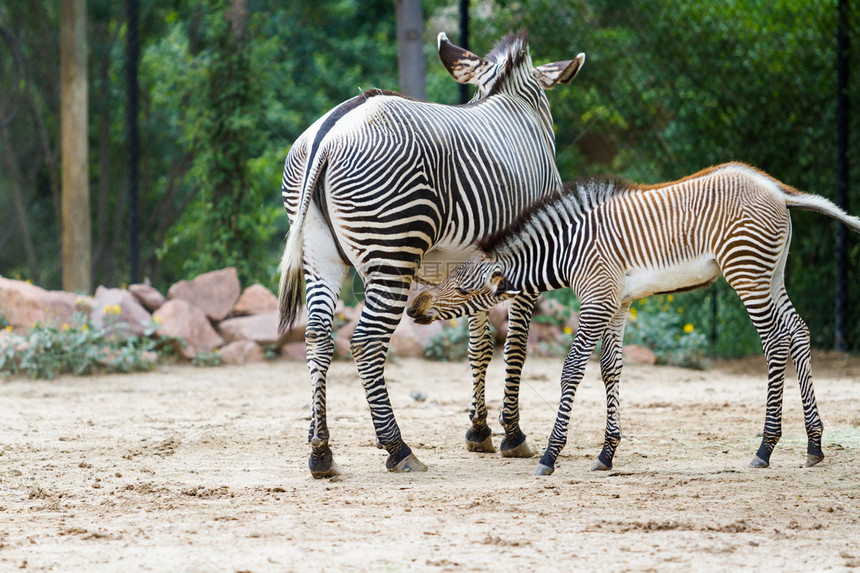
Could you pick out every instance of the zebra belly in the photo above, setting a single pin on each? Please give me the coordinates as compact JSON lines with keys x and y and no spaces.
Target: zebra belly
{"x":640,"y":282}
{"x":438,"y":263}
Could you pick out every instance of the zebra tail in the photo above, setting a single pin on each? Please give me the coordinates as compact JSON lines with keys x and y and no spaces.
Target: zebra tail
{"x":290,"y":300}
{"x":795,"y":199}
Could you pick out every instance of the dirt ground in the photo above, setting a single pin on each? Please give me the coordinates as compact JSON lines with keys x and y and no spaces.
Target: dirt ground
{"x":189,"y":469}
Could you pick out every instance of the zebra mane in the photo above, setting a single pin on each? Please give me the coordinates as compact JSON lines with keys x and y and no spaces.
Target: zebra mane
{"x":578,"y":197}
{"x":513,"y":48}
{"x":513,"y":52}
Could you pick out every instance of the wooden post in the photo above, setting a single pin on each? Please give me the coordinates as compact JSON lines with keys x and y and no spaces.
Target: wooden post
{"x":77,"y":241}
{"x":410,"y":48}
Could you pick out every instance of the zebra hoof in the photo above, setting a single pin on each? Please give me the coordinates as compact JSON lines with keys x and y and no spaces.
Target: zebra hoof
{"x":322,"y":465}
{"x":543,"y":470}
{"x":521,"y":451}
{"x":409,"y":464}
{"x":757,"y":462}
{"x":486,"y":446}
{"x":599,"y":466}
{"x":812,"y":460}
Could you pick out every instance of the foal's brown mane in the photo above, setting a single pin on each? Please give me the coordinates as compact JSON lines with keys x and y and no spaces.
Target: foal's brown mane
{"x":592,"y":191}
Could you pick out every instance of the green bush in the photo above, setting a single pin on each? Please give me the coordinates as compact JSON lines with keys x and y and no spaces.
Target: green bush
{"x":80,"y":348}
{"x":659,"y":324}
{"x":450,"y":345}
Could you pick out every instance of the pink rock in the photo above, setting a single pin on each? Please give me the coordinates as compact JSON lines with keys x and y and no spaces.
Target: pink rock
{"x":540,"y":332}
{"x":182,"y":319}
{"x":148,"y":296}
{"x":636,"y":354}
{"x":294,"y":351}
{"x":240,"y":352}
{"x":24,"y":304}
{"x":410,"y":338}
{"x":215,"y":292}
{"x":131,"y":312}
{"x":256,"y":299}
{"x":341,"y":348}
{"x":498,"y":316}
{"x":260,"y":328}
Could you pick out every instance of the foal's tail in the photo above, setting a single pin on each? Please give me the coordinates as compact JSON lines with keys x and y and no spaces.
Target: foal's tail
{"x":795,"y":199}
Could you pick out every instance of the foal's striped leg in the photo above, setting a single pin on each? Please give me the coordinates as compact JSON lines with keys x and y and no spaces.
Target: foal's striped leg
{"x":800,"y":348}
{"x":478,"y":437}
{"x":514,"y":444}
{"x":592,"y":322}
{"x":610,"y":369}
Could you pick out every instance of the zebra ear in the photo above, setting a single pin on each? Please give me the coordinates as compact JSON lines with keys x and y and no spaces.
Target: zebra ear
{"x":501,"y":286}
{"x":464,"y":66}
{"x":550,"y":74}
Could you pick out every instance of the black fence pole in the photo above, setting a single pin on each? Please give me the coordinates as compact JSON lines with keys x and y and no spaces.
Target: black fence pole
{"x":132,"y":54}
{"x":841,"y":307}
{"x":464,"y":43}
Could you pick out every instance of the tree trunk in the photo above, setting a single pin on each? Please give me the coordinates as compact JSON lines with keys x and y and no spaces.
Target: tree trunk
{"x":77,"y":241}
{"x":410,"y":48}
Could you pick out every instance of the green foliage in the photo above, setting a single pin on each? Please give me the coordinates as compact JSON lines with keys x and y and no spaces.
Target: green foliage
{"x":450,"y":345}
{"x":669,"y":87}
{"x":79,"y":348}
{"x":659,"y":323}
{"x":207,"y":359}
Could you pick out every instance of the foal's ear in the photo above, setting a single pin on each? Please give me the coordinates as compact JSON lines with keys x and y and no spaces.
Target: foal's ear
{"x":550,"y":74}
{"x":464,"y":66}
{"x":501,"y":286}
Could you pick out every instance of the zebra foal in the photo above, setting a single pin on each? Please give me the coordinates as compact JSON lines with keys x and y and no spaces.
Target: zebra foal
{"x":614,"y":243}
{"x":398,"y":189}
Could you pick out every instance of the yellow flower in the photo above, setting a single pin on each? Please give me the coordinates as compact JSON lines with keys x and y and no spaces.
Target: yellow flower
{"x":84,"y":328}
{"x":65,"y":326}
{"x":156,"y":319}
{"x":688,"y":328}
{"x":633,"y":313}
{"x":670,"y":298}
{"x":117,"y":309}
{"x":680,"y":310}
{"x":9,"y":328}
{"x":568,"y":330}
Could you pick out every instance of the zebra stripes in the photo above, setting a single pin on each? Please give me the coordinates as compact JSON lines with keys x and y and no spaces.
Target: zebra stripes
{"x":614,"y":243}
{"x":400,"y":190}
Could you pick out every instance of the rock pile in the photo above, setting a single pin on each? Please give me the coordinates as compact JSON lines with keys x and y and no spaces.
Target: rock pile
{"x":213,"y":313}
{"x":209,"y":313}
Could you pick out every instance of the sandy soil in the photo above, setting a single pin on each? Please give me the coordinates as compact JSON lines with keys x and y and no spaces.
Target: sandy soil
{"x":190,"y":469}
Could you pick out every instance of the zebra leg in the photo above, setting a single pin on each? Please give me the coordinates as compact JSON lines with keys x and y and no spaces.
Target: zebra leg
{"x":800,"y":349}
{"x":591,"y":323}
{"x":479,"y":437}
{"x":610,"y":369}
{"x":765,"y":314}
{"x":514,"y":443}
{"x":385,"y":300}
{"x":321,"y":295}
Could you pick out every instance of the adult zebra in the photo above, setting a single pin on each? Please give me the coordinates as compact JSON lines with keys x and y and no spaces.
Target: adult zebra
{"x":614,"y":242}
{"x":398,"y":189}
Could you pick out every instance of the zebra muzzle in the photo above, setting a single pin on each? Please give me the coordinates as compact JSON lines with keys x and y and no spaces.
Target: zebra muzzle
{"x":417,"y":311}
